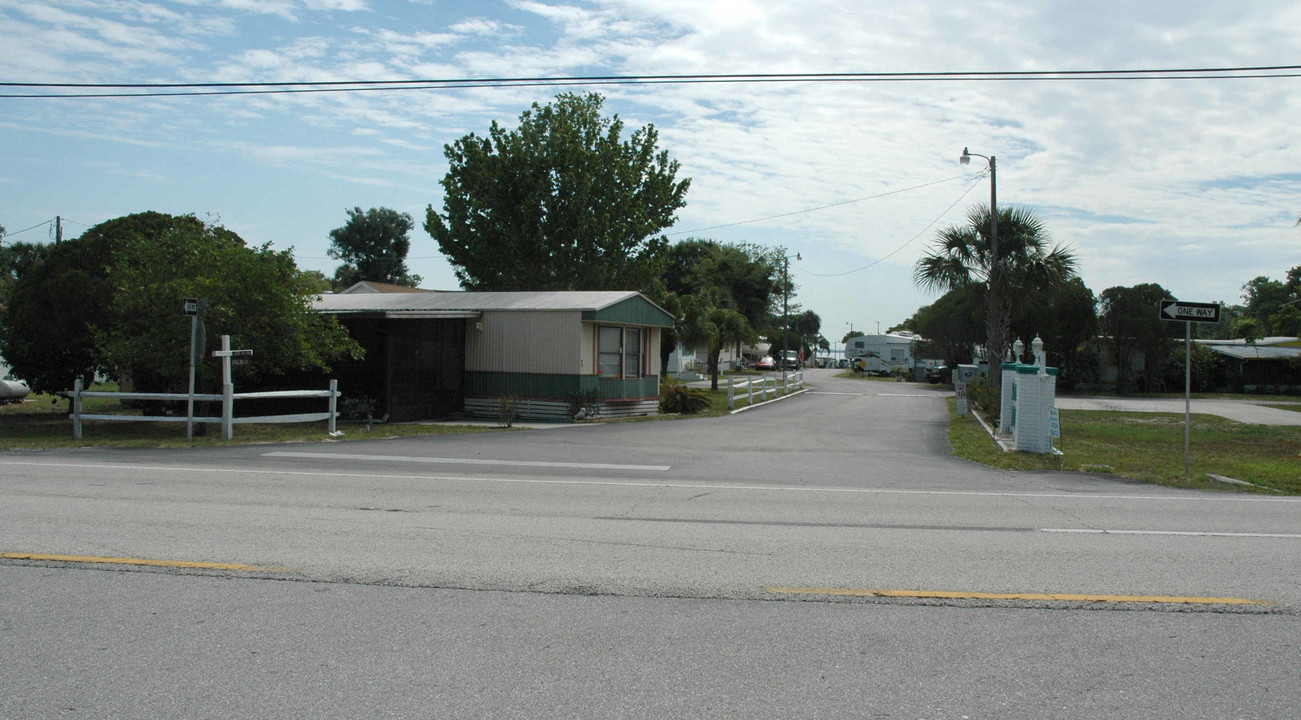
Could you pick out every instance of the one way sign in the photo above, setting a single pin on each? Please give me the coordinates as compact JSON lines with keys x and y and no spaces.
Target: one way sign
{"x":1190,"y":311}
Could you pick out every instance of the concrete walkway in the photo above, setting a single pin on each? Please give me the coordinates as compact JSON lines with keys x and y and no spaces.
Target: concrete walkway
{"x":1244,"y":411}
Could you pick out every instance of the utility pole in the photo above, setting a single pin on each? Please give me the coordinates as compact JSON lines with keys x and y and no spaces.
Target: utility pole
{"x":58,"y":229}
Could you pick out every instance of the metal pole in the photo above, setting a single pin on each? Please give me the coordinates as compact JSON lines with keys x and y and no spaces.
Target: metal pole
{"x":995,"y":309}
{"x":189,"y":404}
{"x":76,"y":409}
{"x":1188,"y":389}
{"x":786,"y":313}
{"x":334,"y":404}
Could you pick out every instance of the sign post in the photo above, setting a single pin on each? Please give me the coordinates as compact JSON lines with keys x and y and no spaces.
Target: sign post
{"x":1189,"y":313}
{"x":195,"y":308}
{"x":227,"y":388}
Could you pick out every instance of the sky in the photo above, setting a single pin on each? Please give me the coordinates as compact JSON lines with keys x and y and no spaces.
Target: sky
{"x":1194,"y":184}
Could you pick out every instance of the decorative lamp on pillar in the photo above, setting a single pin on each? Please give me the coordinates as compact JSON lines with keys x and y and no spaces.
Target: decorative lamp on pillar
{"x":1018,"y":347}
{"x":1037,"y":347}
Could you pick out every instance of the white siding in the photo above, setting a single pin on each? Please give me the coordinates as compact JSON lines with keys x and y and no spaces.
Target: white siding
{"x":526,"y":342}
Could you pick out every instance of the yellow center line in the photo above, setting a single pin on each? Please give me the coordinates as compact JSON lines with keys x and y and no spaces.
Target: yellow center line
{"x":135,"y":561}
{"x":1058,"y":597}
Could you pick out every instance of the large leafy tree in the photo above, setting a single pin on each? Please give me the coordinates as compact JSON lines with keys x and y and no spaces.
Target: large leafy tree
{"x":373,"y":245}
{"x":1065,"y":316}
{"x":265,"y":308}
{"x":951,"y":325}
{"x":1270,"y":305}
{"x":563,"y":202}
{"x":48,"y":331}
{"x":743,"y":278}
{"x":961,"y":255}
{"x":110,"y":302}
{"x":16,"y":259}
{"x":1130,"y":318}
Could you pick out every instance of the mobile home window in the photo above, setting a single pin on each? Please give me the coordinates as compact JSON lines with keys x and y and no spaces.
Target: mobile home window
{"x":632,"y":353}
{"x":610,"y":351}
{"x":620,"y":352}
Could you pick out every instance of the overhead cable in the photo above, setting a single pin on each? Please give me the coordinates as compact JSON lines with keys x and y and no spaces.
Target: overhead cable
{"x":102,"y":90}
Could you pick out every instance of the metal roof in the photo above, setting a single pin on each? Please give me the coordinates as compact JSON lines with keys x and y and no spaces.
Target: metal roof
{"x":472,"y":302}
{"x":1256,"y":352}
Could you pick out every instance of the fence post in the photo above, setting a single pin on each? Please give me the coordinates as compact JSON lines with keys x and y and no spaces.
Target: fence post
{"x":76,"y":410}
{"x":227,"y":411}
{"x":334,"y":403}
{"x":749,"y":385}
{"x":731,"y":393}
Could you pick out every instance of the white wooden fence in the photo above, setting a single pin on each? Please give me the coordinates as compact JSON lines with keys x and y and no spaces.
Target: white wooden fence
{"x":766,"y":384}
{"x":227,"y":400}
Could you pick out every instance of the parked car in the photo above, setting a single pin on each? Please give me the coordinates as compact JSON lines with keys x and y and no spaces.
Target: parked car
{"x":765,"y":363}
{"x":791,"y":360}
{"x":936,"y":375}
{"x":842,"y":363}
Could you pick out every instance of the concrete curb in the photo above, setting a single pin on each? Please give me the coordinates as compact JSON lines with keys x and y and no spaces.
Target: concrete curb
{"x":801,"y":391}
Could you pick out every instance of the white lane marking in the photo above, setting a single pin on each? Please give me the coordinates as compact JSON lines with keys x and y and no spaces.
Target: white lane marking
{"x":822,"y":392}
{"x":908,"y":395}
{"x":661,"y":484}
{"x":466,"y":461}
{"x":1092,"y":531}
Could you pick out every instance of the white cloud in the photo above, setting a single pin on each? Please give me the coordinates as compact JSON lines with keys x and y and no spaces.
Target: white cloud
{"x":1124,"y":171}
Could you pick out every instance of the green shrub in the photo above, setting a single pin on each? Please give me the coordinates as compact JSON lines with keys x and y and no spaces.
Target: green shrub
{"x":585,"y":402}
{"x":980,"y":394}
{"x":358,"y":409}
{"x":678,"y":398}
{"x":507,"y":409}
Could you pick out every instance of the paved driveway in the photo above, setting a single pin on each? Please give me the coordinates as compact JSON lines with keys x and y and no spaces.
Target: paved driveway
{"x":1245,"y":411}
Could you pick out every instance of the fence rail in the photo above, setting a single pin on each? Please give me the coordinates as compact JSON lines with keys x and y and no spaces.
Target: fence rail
{"x":746,"y":387}
{"x":227,"y":400}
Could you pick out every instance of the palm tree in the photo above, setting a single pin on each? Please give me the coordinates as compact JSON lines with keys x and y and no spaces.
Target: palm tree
{"x":713,"y":327}
{"x":961,"y":257}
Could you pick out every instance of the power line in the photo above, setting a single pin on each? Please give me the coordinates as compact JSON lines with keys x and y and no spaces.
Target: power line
{"x":334,"y":86}
{"x":20,"y":232}
{"x":910,"y":241}
{"x":820,"y":207}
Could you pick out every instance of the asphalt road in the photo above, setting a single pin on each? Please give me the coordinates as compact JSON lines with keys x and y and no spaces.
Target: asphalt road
{"x":816,"y":556}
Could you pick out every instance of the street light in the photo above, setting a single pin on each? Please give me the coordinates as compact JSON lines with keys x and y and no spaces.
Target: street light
{"x":994,"y":334}
{"x":786,"y":312}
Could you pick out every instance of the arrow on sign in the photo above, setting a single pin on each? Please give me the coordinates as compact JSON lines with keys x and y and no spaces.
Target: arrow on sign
{"x":1190,"y":311}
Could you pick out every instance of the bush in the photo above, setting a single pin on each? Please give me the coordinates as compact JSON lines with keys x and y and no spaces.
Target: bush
{"x":507,"y":409}
{"x":357,"y":408}
{"x":585,"y":405}
{"x":980,"y":394}
{"x":678,"y":398}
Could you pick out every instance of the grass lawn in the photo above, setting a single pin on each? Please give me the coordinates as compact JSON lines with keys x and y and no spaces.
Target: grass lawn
{"x":1150,"y":447}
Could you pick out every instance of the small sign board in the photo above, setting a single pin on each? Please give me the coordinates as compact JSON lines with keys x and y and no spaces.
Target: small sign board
{"x":960,"y":393}
{"x":194,"y":306}
{"x":1190,"y":311}
{"x":1054,"y":423}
